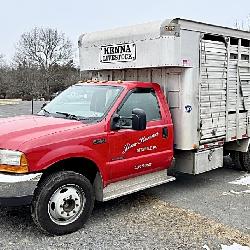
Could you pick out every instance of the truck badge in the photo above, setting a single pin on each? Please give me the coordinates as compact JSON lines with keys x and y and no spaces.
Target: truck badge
{"x":99,"y":141}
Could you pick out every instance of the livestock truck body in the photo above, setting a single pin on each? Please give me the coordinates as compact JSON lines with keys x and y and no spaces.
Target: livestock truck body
{"x":204,"y":71}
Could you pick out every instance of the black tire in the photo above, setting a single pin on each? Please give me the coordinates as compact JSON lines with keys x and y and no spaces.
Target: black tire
{"x":54,"y":186}
{"x":236,"y":162}
{"x":245,"y":161}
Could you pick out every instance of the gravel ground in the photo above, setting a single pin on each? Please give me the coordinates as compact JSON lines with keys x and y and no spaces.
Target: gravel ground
{"x":137,"y":221}
{"x":189,"y":213}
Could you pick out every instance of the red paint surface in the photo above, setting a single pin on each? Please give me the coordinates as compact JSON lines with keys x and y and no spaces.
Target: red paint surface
{"x":47,"y":140}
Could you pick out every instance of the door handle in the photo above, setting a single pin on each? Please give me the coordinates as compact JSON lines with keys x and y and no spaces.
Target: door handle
{"x":165,"y":132}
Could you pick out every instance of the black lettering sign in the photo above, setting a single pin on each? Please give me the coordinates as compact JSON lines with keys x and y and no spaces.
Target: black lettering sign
{"x":118,"y":53}
{"x":106,"y":50}
{"x":128,"y":49}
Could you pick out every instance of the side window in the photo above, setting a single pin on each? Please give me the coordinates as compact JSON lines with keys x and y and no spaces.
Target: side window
{"x":144,"y":99}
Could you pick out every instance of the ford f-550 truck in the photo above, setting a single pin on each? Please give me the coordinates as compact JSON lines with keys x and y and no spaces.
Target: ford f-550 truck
{"x":119,"y":132}
{"x":95,"y":141}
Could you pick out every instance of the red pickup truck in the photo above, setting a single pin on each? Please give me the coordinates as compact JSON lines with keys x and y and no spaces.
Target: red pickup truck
{"x":95,"y":141}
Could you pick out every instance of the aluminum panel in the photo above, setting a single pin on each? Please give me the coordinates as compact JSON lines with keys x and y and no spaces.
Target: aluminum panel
{"x":213,"y":89}
{"x":199,"y":162}
{"x":167,"y":50}
{"x":244,"y":78}
{"x":207,"y":160}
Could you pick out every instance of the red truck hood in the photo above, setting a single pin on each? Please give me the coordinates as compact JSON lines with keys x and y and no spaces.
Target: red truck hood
{"x":18,"y":130}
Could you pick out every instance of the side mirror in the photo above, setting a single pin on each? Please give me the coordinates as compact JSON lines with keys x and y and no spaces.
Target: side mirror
{"x":139,"y":120}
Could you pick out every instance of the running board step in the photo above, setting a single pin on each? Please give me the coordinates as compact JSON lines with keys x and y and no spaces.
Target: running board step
{"x":135,"y":184}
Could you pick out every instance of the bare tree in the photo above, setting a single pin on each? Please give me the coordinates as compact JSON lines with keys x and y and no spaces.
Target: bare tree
{"x":243,"y":24}
{"x":4,"y":77}
{"x":39,"y":54}
{"x":2,"y":62}
{"x":248,"y":22}
{"x":44,"y":48}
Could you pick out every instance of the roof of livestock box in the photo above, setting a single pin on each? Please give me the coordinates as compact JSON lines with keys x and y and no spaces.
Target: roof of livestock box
{"x":154,"y":44}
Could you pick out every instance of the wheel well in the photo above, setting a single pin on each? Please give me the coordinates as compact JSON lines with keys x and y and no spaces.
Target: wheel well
{"x":79,"y":165}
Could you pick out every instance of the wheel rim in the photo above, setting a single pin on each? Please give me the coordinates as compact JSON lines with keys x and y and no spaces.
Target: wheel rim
{"x":66,"y":204}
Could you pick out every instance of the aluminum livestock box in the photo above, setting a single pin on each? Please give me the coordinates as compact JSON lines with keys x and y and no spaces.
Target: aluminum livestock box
{"x":203,"y":69}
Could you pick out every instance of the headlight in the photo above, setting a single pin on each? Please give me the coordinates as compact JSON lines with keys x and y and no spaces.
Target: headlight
{"x":13,"y":161}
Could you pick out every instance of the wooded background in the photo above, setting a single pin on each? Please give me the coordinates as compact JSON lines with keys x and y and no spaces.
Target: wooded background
{"x":43,"y":65}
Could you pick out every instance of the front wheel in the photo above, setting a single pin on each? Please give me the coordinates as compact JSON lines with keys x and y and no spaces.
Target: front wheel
{"x":62,"y":203}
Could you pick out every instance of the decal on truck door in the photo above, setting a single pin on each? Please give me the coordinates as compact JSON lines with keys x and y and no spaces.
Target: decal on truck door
{"x":149,"y":148}
{"x":144,"y":165}
{"x":141,"y":140}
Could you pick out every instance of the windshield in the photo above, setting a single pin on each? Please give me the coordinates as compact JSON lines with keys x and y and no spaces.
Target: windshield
{"x":83,"y":102}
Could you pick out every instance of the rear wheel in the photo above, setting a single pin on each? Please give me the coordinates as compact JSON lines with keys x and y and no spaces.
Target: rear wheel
{"x":236,"y":162}
{"x":245,"y":161}
{"x":62,"y":203}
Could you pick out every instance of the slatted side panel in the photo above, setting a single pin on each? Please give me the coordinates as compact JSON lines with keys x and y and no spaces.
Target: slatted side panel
{"x":233,"y":85}
{"x":232,"y":80}
{"x":244,"y":77}
{"x":238,"y":90}
{"x":213,"y":90}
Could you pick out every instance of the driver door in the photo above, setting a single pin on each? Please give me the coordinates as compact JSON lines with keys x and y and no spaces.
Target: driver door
{"x":134,"y":153}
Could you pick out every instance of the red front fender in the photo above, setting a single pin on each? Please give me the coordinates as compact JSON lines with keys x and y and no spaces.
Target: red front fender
{"x":37,"y":164}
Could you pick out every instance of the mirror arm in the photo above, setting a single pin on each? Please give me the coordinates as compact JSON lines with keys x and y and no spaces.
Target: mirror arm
{"x":115,"y":122}
{"x":116,"y":126}
{"x":124,"y":117}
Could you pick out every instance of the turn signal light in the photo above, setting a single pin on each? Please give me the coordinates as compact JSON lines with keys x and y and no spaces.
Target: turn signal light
{"x":23,"y":168}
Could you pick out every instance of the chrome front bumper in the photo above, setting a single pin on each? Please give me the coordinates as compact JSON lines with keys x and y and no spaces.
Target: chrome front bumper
{"x":17,"y":189}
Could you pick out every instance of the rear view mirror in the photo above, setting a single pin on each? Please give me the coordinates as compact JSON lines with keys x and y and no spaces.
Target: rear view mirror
{"x":139,"y":120}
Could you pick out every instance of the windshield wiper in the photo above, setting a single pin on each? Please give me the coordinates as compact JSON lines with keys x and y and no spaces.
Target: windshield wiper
{"x":70,"y":116}
{"x":75,"y":117}
{"x":46,"y":111}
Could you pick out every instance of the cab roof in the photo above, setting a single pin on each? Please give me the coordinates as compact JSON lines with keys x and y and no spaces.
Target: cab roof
{"x":119,"y":83}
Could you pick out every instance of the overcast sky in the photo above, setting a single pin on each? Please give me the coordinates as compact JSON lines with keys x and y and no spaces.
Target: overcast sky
{"x":74,"y":17}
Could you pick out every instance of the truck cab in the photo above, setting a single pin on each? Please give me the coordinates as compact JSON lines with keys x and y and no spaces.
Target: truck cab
{"x":95,"y":141}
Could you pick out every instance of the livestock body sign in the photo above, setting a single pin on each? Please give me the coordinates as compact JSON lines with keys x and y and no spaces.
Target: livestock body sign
{"x":125,"y":52}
